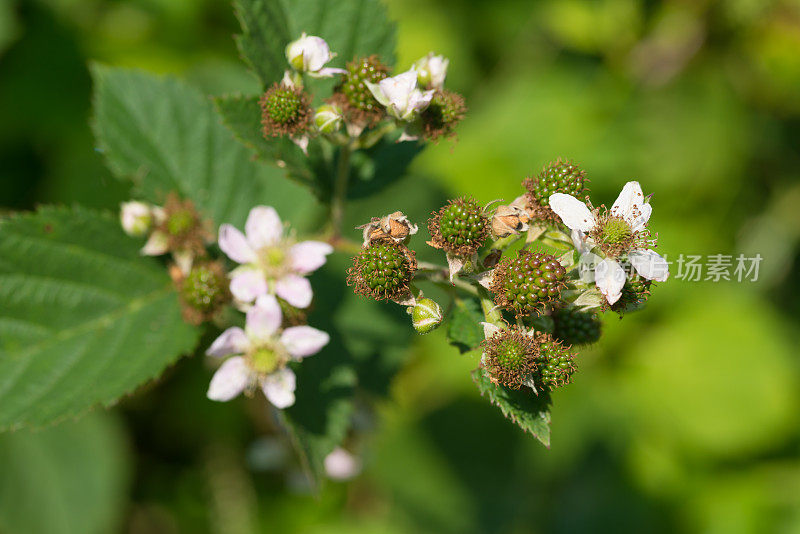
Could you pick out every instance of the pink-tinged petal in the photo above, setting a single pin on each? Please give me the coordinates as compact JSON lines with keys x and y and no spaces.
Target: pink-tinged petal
{"x":640,"y":217}
{"x":341,"y":465}
{"x":248,"y":285}
{"x":263,"y":319}
{"x":231,"y":341}
{"x":630,"y":196}
{"x":263,"y":227}
{"x":233,"y":243}
{"x":327,"y":72}
{"x":650,"y":265}
{"x":572,"y":211}
{"x":609,"y":277}
{"x":279,"y":388}
{"x":230,"y":380}
{"x":295,"y":290}
{"x":302,"y":341}
{"x":308,"y":256}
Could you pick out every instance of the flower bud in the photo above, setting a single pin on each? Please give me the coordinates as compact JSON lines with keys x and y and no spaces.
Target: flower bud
{"x":309,"y":54}
{"x":394,"y":226}
{"x":136,"y":218}
{"x":328,"y":118}
{"x":426,"y":316}
{"x":431,"y":71}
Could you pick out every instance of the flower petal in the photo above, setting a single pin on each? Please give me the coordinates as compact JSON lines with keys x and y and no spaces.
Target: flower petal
{"x":295,"y":290}
{"x":572,"y":211}
{"x":309,"y":256}
{"x":377,"y":92}
{"x":328,"y":72}
{"x":640,"y":217}
{"x":230,"y":379}
{"x":247,"y":285}
{"x":649,"y":264}
{"x":279,"y":387}
{"x":231,"y":341}
{"x":263,"y":319}
{"x":609,"y":277}
{"x":233,"y":243}
{"x":263,"y":227}
{"x":630,"y":196}
{"x":302,"y":341}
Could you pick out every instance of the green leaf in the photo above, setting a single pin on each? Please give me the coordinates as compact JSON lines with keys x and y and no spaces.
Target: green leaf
{"x":65,"y":479}
{"x":529,"y":411}
{"x":464,"y":329}
{"x":165,"y":136}
{"x":84,"y":318}
{"x":351,"y":28}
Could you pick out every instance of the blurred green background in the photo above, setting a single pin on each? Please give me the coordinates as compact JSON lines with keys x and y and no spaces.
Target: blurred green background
{"x":684,"y":418}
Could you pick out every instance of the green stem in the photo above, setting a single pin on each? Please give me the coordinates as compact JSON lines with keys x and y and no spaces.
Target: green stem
{"x":340,"y":190}
{"x":490,"y":311}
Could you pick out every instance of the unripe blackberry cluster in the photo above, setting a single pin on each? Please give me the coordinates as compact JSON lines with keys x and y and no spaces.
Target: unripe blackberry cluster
{"x":575,"y":327}
{"x":555,"y":177}
{"x":555,"y":363}
{"x":183,"y":227}
{"x":526,"y":283}
{"x":510,"y":357}
{"x":203,"y":292}
{"x":635,"y":293}
{"x":460,"y":227}
{"x":358,"y":98}
{"x":443,"y":114}
{"x":285,"y":111}
{"x":383,"y":271}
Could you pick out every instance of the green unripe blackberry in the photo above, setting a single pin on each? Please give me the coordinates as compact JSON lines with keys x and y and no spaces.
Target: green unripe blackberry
{"x":555,"y":363}
{"x":367,"y":69}
{"x":203,"y":292}
{"x":635,"y":293}
{"x":426,"y":316}
{"x":443,"y":114}
{"x":180,"y":222}
{"x":285,"y":111}
{"x":460,"y":227}
{"x":526,"y":283}
{"x":575,"y":327}
{"x":555,"y":177}
{"x":383,"y":271}
{"x":182,"y":226}
{"x":509,"y":356}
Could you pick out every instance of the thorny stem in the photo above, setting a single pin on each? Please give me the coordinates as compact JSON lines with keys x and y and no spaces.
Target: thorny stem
{"x":340,"y":190}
